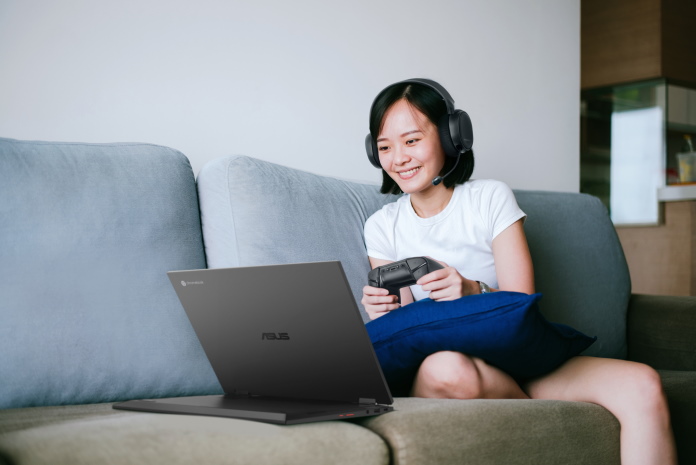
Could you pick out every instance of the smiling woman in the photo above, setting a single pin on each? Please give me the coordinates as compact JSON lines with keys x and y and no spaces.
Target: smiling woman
{"x":431,"y":114}
{"x":476,"y":226}
{"x":423,"y":145}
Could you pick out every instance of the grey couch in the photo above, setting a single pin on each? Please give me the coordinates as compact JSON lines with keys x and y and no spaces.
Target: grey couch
{"x":88,"y":317}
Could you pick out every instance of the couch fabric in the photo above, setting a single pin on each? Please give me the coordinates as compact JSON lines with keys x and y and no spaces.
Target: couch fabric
{"x":579,"y":266}
{"x":88,"y":317}
{"x":433,"y":431}
{"x":662,"y":332}
{"x":88,"y":314}
{"x":97,"y":434}
{"x":251,"y":211}
{"x":259,"y":213}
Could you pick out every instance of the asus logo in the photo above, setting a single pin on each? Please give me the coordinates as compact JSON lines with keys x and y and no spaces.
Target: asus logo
{"x":275,"y":336}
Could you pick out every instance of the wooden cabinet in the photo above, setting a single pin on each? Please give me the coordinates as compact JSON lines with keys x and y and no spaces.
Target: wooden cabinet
{"x":662,"y":258}
{"x":633,"y":40}
{"x":637,"y":55}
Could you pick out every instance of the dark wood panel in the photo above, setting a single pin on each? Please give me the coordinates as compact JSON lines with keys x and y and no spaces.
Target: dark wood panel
{"x":692,"y":268}
{"x":679,"y":40}
{"x":620,"y":41}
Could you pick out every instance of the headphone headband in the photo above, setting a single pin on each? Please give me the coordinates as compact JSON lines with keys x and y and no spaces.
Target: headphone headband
{"x":449,"y":101}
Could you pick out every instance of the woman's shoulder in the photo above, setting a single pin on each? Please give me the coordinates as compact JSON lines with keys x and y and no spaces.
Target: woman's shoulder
{"x":495,"y":202}
{"x":484,"y":188}
{"x":484,"y":184}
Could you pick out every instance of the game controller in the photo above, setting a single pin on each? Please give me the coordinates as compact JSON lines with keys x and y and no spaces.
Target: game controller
{"x":400,"y":274}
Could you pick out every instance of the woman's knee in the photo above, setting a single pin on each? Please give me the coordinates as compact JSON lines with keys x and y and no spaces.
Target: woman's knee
{"x":449,"y":375}
{"x":648,"y":386}
{"x":642,"y":392}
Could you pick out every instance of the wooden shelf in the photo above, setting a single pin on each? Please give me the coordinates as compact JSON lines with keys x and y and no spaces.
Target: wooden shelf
{"x":677,"y":192}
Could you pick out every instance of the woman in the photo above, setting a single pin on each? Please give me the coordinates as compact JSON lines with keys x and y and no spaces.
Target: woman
{"x":476,"y":227}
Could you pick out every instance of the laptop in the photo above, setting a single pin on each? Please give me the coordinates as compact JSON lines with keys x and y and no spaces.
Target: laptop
{"x":286,"y":342}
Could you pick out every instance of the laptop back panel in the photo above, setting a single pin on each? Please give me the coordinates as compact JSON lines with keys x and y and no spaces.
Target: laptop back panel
{"x":285,"y":331}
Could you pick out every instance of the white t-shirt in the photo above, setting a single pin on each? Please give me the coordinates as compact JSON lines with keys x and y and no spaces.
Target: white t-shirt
{"x":461,"y":235}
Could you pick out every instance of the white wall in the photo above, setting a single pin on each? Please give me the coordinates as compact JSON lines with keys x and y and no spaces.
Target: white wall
{"x":292,"y":81}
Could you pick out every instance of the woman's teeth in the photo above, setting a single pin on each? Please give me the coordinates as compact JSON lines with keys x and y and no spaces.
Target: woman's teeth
{"x":409,"y":173}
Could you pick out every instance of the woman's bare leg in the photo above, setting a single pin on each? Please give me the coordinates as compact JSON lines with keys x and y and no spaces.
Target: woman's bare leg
{"x":631,"y":391}
{"x":452,"y":375}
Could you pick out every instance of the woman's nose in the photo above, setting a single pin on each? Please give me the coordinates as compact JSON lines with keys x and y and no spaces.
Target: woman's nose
{"x":401,"y":155}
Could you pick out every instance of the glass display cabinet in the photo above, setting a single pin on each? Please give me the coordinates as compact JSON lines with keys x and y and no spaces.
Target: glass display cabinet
{"x":631,"y":135}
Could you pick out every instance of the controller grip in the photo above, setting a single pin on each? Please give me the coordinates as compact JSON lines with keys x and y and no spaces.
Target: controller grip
{"x":374,"y":280}
{"x":395,"y":291}
{"x":373,"y":277}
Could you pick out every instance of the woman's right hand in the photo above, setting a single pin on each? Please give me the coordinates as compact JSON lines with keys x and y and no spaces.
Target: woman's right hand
{"x":378,"y":302}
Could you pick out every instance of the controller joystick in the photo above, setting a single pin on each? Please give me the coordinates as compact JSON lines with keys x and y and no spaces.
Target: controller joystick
{"x":403,"y":273}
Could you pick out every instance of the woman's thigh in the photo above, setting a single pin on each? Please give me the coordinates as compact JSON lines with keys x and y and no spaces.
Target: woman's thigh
{"x":614,"y":384}
{"x":629,"y":390}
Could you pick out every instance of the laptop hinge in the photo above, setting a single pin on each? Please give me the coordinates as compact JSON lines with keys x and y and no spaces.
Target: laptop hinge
{"x":239,"y":393}
{"x":367,"y":401}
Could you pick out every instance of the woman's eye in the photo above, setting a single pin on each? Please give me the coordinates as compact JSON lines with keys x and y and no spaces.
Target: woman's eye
{"x":383,"y":148}
{"x":411,"y":141}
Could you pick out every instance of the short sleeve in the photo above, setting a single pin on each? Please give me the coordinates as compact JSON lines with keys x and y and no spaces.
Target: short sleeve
{"x":377,"y":241}
{"x":499,"y":207}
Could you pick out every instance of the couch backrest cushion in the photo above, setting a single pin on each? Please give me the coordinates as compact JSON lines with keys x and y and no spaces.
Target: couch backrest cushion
{"x":579,"y":266}
{"x":87,"y":234}
{"x":258,"y":213}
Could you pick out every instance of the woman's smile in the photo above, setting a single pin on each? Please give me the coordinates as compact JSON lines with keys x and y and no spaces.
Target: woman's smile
{"x":409,"y":174}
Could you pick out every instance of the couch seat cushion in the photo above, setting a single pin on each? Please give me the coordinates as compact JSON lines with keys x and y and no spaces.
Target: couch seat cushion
{"x":523,"y":432}
{"x":89,"y":434}
{"x":493,"y":432}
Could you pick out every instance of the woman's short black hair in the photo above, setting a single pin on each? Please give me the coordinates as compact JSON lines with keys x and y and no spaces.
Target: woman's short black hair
{"x":430,"y":103}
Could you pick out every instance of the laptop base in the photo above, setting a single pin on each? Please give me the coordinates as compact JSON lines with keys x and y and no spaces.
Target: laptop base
{"x":273,"y":410}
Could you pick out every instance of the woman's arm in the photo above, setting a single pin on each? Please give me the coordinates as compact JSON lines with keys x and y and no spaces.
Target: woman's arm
{"x":513,"y":262}
{"x":513,"y":266}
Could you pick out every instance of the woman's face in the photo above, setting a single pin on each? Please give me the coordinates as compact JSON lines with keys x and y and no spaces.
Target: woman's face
{"x":409,"y":148}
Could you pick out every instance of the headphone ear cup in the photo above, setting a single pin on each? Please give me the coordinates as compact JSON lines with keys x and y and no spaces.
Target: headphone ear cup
{"x":461,"y":124}
{"x":372,"y":152}
{"x":443,"y":130}
{"x":456,"y":133}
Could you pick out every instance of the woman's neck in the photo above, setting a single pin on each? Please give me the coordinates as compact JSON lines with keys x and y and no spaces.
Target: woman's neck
{"x":431,"y":201}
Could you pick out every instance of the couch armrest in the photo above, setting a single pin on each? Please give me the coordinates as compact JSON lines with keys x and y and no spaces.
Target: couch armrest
{"x":662,"y":331}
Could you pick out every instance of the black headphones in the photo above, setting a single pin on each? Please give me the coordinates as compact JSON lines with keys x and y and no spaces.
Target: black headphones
{"x":454,"y":128}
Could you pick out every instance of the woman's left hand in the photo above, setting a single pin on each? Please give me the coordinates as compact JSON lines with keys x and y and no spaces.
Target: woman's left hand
{"x":448,"y":284}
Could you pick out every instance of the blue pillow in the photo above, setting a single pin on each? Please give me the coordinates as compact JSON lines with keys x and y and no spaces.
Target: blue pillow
{"x":505,"y":329}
